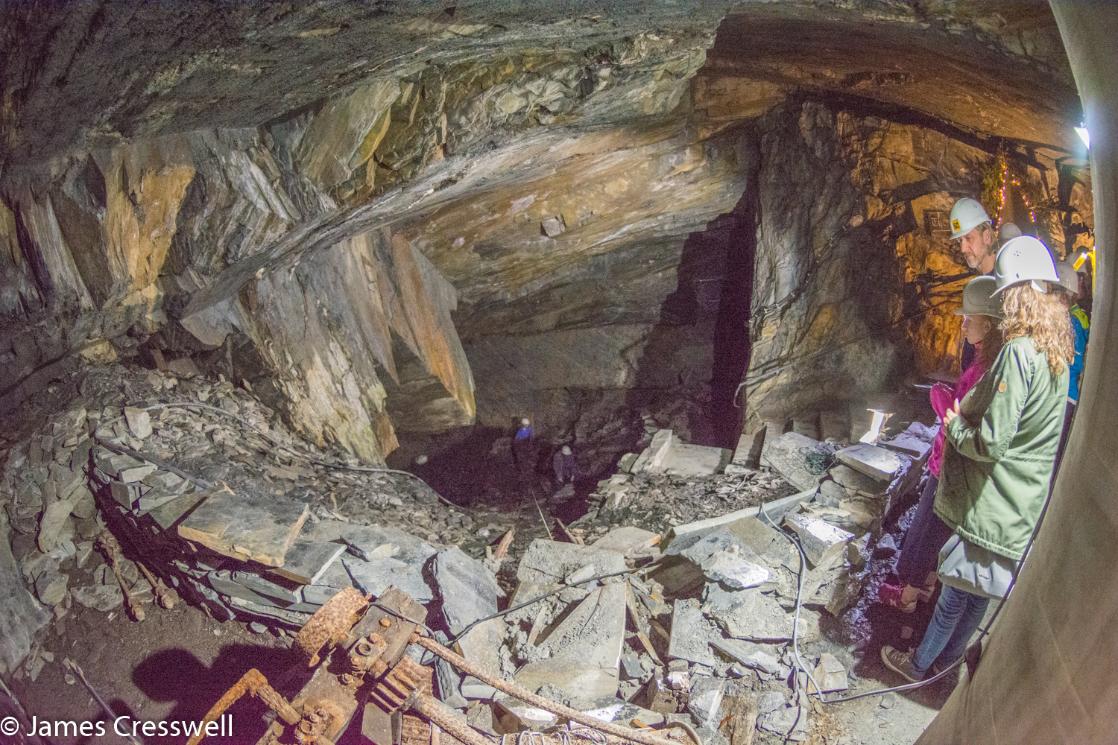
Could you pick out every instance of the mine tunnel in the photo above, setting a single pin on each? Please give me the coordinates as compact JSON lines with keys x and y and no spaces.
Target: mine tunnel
{"x":412,"y":371}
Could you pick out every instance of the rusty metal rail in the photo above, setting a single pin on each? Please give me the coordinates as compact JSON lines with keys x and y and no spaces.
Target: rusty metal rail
{"x":528,"y":697}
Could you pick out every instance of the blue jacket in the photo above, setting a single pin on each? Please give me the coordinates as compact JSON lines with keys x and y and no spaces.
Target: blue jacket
{"x":1080,"y":325}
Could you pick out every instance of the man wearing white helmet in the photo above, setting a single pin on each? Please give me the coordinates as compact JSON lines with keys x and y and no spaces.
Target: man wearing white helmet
{"x":523,"y":446}
{"x":563,"y":464}
{"x":972,"y":227}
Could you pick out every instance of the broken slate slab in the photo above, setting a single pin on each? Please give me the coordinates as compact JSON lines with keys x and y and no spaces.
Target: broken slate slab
{"x":871,"y":460}
{"x":20,"y":616}
{"x":54,"y":525}
{"x":746,"y":614}
{"x":376,"y":576}
{"x":913,"y":447}
{"x":546,"y":564}
{"x":821,"y":541}
{"x":517,"y":716}
{"x":684,"y":459}
{"x":370,"y":542}
{"x":734,"y":571}
{"x":855,"y":482}
{"x":692,"y":634}
{"x":583,"y":648}
{"x":629,"y":541}
{"x":798,"y":459}
{"x":139,"y":422}
{"x":653,"y":455}
{"x":168,"y":514}
{"x":246,"y":526}
{"x":307,"y":561}
{"x":774,"y":511}
{"x":99,"y":597}
{"x":466,"y":591}
{"x":751,"y":654}
{"x":705,"y":701}
{"x":830,"y":674}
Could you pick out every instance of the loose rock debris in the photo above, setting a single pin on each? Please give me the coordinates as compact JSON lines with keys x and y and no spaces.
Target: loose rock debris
{"x":677,"y":605}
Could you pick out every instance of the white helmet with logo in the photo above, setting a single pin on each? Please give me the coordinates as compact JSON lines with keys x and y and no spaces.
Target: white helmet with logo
{"x":966,"y":215}
{"x":1024,"y":259}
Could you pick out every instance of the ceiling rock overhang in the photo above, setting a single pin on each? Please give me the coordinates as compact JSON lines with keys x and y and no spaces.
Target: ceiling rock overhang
{"x":368,"y":193}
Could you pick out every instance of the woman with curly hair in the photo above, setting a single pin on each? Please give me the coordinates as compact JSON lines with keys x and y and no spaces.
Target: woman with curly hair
{"x":1001,"y":443}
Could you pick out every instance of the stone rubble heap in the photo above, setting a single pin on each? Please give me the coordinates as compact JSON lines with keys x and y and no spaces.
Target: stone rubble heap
{"x":672,"y":482}
{"x":209,"y":491}
{"x":645,"y":617}
{"x":693,"y":624}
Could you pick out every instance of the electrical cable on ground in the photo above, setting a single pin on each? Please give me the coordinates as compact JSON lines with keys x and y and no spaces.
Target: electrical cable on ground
{"x":983,"y":632}
{"x":545,"y":596}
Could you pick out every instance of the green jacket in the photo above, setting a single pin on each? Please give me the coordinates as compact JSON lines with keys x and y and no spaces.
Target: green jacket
{"x":998,"y":463}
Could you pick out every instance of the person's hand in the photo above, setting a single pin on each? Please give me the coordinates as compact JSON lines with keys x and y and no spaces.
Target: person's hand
{"x":951,"y":413}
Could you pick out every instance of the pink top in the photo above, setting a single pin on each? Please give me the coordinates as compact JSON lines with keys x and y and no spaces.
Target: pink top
{"x":943,"y":397}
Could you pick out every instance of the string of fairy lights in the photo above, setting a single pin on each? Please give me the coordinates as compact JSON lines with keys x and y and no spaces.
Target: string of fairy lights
{"x":996,"y":190}
{"x":1005,"y":180}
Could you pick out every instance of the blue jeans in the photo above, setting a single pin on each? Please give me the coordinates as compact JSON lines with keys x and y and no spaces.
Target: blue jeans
{"x":957,"y":615}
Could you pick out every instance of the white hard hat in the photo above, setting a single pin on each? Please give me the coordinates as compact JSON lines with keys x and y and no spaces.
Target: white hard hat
{"x":525,"y":422}
{"x":1069,"y":278}
{"x":979,"y":298}
{"x":566,"y":450}
{"x":1024,"y":259}
{"x":1008,"y":231}
{"x":966,"y":215}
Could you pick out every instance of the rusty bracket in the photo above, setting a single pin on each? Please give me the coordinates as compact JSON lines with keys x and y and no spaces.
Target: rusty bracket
{"x":255,"y":684}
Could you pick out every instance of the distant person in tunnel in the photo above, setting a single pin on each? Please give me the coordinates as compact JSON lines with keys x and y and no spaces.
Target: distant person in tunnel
{"x":978,"y":243}
{"x":1000,"y":448}
{"x":981,"y":312}
{"x":523,"y":446}
{"x":563,"y":465}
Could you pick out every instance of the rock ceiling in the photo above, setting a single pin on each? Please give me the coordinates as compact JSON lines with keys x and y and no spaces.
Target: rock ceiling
{"x":388,"y":200}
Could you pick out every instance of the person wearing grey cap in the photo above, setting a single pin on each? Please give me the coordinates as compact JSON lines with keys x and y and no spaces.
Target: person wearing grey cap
{"x":916,"y":564}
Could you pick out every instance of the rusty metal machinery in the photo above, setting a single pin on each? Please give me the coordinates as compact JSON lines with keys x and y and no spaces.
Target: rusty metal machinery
{"x":358,"y":650}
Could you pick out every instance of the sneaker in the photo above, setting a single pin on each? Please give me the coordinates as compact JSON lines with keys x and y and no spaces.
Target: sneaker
{"x":901,"y":663}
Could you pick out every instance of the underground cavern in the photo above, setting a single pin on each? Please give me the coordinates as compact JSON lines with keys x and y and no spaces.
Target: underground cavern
{"x":413,"y":370}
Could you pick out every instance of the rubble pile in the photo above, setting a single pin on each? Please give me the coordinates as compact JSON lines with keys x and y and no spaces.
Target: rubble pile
{"x":694,"y":624}
{"x":681,"y":597}
{"x":671,"y":482}
{"x":212,"y":497}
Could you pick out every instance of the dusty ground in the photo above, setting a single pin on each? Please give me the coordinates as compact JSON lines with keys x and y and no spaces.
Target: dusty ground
{"x":172,"y":666}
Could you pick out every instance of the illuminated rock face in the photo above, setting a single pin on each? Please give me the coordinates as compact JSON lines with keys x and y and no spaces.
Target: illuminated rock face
{"x":856,"y":281}
{"x":537,"y":213}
